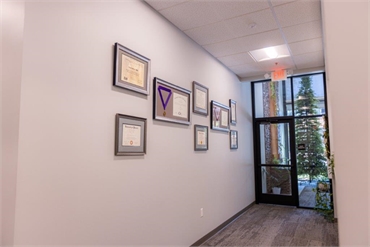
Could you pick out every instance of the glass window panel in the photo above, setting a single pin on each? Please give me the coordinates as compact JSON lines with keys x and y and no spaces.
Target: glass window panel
{"x":310,"y":149}
{"x":272,"y":99}
{"x":275,"y":143}
{"x":309,"y":95}
{"x":276,"y":180}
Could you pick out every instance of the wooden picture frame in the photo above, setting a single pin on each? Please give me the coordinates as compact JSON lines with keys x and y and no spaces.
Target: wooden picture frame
{"x":200,"y":137}
{"x":220,"y":115}
{"x":171,"y":102}
{"x":234,"y":139}
{"x":200,"y":99}
{"x":130,"y":135}
{"x":232,"y":104}
{"x":131,"y":70}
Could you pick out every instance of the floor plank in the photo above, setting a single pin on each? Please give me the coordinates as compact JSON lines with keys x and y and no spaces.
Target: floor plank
{"x":274,"y":225}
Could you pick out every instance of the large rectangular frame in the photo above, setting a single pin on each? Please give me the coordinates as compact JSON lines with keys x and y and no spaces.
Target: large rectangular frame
{"x":171,"y":103}
{"x":133,"y":123}
{"x":234,"y":139}
{"x":200,"y":93}
{"x":137,"y":68}
{"x":232,"y":104}
{"x":220,"y":121}
{"x":200,"y":146}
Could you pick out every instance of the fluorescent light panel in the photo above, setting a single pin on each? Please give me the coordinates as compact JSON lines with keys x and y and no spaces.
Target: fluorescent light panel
{"x":269,"y":53}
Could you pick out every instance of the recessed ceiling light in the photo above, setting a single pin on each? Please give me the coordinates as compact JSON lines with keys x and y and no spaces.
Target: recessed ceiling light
{"x":269,"y":53}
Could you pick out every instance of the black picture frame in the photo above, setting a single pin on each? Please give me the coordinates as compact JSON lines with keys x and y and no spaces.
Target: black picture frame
{"x":131,"y":70}
{"x":232,"y":104}
{"x":220,"y":115}
{"x":200,"y":99}
{"x":200,"y":137}
{"x":234,"y":139}
{"x":130,"y":135}
{"x":171,"y":103}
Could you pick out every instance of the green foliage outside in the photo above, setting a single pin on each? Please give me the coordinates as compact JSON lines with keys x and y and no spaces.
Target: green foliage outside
{"x":311,"y":162}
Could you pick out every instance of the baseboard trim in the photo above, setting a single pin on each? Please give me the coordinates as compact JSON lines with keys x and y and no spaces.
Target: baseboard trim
{"x":220,"y":227}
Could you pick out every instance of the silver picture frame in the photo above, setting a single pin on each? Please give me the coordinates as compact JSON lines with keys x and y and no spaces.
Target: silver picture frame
{"x":131,"y":70}
{"x":130,"y":135}
{"x":220,"y":116}
{"x":171,"y":103}
{"x":200,"y":99}
{"x":200,"y":137}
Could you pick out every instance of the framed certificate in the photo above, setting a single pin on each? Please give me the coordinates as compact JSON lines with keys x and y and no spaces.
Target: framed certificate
{"x":200,"y":138}
{"x":130,"y":135}
{"x":220,"y":116}
{"x":232,"y":104}
{"x":233,"y":139}
{"x":200,"y":99}
{"x":171,"y":102}
{"x":131,"y":70}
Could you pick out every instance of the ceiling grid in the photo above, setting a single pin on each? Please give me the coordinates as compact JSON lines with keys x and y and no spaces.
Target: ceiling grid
{"x":229,"y":29}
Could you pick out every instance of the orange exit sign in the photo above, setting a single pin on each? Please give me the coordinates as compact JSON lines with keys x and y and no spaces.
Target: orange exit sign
{"x":278,"y":75}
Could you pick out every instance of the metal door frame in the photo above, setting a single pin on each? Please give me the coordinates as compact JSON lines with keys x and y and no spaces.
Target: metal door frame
{"x":293,"y":199}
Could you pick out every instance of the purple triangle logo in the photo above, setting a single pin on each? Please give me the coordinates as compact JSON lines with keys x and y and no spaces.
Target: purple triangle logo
{"x":164,"y":102}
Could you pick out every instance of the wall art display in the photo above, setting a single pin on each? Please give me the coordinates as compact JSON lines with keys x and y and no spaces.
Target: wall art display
{"x":131,"y":70}
{"x":220,"y":116}
{"x":130,"y":135}
{"x":171,"y":102}
{"x":200,"y":137}
{"x":233,"y":139}
{"x":232,"y":104}
{"x":200,"y":99}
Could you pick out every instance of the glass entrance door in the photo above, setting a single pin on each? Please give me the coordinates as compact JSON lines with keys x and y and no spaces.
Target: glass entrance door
{"x":276,"y":175}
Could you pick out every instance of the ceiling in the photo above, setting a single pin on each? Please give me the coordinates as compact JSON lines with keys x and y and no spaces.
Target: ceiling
{"x":229,"y":29}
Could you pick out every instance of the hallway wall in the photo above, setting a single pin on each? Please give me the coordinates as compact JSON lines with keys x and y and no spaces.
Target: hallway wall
{"x":347,"y":66}
{"x":12,"y":18}
{"x":69,"y":188}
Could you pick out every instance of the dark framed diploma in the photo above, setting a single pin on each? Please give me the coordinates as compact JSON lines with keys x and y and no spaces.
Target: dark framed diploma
{"x":232,"y":104}
{"x":200,"y":138}
{"x":233,"y":139}
{"x":130,"y":135}
{"x":220,"y":116}
{"x":200,"y":99}
{"x":131,"y":70}
{"x":171,"y":102}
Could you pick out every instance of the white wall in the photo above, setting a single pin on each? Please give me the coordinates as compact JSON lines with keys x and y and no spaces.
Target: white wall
{"x":347,"y":65}
{"x":71,"y":189}
{"x":12,"y":43}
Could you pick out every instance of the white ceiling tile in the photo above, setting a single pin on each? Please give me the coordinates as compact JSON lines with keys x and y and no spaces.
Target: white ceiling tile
{"x":298,"y":12}
{"x":277,"y":64}
{"x":245,"y":44}
{"x":306,"y":46}
{"x":163,"y":4}
{"x":280,"y":2}
{"x":191,"y":14}
{"x":210,"y":34}
{"x":309,"y":60}
{"x":233,"y":8}
{"x":309,"y":30}
{"x":263,"y":20}
{"x":246,"y":68}
{"x":238,"y":59}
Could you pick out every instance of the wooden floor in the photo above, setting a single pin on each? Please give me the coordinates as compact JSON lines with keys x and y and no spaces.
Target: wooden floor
{"x":272,"y":225}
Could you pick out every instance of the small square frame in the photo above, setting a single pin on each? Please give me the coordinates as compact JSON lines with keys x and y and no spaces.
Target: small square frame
{"x":171,"y":102}
{"x":220,"y":115}
{"x":131,"y":70}
{"x":234,"y":139}
{"x":135,"y":136}
{"x":200,"y":99}
{"x":232,"y":104}
{"x":198,"y":131}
